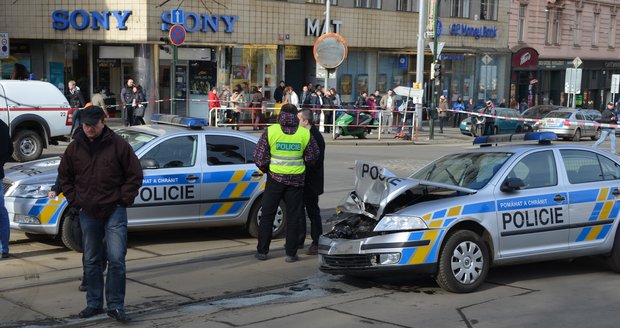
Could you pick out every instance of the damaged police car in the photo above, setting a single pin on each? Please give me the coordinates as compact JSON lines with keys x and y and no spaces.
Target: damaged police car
{"x":193,"y":177}
{"x":468,"y":211}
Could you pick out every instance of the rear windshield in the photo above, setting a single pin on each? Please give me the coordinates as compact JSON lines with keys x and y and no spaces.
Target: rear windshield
{"x":559,"y":115}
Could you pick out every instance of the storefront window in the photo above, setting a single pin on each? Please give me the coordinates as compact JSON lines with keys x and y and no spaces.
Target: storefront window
{"x":352,"y":76}
{"x":253,"y":66}
{"x":20,"y":59}
{"x":459,"y":75}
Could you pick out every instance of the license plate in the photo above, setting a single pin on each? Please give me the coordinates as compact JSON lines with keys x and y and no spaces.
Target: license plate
{"x":348,"y":247}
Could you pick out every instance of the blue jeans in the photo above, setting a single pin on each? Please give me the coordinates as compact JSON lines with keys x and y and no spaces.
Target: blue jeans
{"x":114,"y":232}
{"x":612,"y":139}
{"x":5,"y":229}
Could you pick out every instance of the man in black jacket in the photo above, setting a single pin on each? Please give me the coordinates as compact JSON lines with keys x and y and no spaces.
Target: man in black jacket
{"x":6,"y":150}
{"x":608,"y":117}
{"x":313,"y":187}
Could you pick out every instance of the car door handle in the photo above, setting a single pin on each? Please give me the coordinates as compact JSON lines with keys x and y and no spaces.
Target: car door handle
{"x":616,"y":192}
{"x":559,"y":198}
{"x":257,"y":174}
{"x":191,"y":178}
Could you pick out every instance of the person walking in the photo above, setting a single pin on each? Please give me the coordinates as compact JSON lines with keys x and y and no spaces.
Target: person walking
{"x":236,"y":101}
{"x":139,"y":105}
{"x":283,"y":151}
{"x":608,"y":117}
{"x":100,"y":176}
{"x":442,"y":112}
{"x":76,"y":101}
{"x":127,"y":99}
{"x":388,"y":104}
{"x":6,"y":151}
{"x":313,"y":187}
{"x":257,"y":102}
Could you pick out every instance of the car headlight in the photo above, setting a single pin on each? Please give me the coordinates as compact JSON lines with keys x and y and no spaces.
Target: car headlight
{"x":32,"y":190}
{"x":400,"y":222}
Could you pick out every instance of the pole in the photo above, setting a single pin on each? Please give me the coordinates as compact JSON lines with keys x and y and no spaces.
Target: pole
{"x":437,"y":83}
{"x":575,"y":89}
{"x":325,"y":87}
{"x":419,"y":77}
{"x":173,"y":79}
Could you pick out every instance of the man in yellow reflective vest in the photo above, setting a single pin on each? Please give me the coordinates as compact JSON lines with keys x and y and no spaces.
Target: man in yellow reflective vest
{"x":283,"y":152}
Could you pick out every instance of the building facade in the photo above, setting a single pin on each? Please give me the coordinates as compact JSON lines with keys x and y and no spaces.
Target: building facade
{"x":546,"y":37}
{"x":253,"y":42}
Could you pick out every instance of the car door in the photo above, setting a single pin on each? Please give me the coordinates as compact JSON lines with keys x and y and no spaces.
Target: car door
{"x":170,"y":190}
{"x":231,"y":179}
{"x":534,"y":219}
{"x":594,"y":201}
{"x":587,"y":129}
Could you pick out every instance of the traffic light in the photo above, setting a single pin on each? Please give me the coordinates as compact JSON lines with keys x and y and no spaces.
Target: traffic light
{"x":166,"y":46}
{"x":436,"y":71}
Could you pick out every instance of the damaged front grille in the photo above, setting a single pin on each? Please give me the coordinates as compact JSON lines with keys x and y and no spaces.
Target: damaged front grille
{"x":352,"y":226}
{"x":348,"y":261}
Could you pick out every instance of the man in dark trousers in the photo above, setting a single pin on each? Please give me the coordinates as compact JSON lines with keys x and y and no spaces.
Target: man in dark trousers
{"x":100,"y":176}
{"x":6,"y":151}
{"x":282,"y":152}
{"x":313,"y":187}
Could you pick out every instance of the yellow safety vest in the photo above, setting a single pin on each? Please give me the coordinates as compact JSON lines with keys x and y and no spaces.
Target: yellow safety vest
{"x":287,"y":150}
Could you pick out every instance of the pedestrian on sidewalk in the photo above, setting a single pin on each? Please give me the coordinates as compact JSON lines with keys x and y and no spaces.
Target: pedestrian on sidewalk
{"x":6,"y":151}
{"x":388,"y":104}
{"x":442,"y":112}
{"x":313,"y":187}
{"x":283,"y":151}
{"x":608,"y":117}
{"x":100,"y":176}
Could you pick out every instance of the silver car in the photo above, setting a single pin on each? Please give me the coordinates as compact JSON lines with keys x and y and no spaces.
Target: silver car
{"x":468,"y":211}
{"x":192,"y":178}
{"x":570,"y":124}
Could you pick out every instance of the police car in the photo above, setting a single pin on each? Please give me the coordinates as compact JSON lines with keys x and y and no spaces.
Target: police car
{"x":193,"y":177}
{"x":468,"y":211}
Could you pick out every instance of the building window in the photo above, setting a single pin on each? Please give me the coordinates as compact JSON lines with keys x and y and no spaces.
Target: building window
{"x":595,"y":30}
{"x":407,"y":5}
{"x":577,"y":29}
{"x":521,"y":28}
{"x":548,"y":28}
{"x":333,"y":2}
{"x":459,"y":8}
{"x":373,"y":4}
{"x":611,"y":37}
{"x":488,"y":9}
{"x":556,"y":28}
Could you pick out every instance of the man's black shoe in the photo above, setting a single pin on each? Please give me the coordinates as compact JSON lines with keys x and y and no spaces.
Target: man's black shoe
{"x":119,"y":315}
{"x":89,"y":312}
{"x":82,"y":288}
{"x":313,"y":250}
{"x":5,"y":255}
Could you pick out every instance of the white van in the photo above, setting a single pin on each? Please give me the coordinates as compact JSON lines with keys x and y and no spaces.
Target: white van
{"x":37,"y":114}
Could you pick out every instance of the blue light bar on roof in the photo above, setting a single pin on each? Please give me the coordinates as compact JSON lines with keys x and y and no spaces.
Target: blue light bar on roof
{"x":184,"y":121}
{"x":541,"y":137}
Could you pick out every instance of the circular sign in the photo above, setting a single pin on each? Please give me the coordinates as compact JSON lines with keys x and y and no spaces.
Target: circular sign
{"x":177,"y":34}
{"x":330,"y":50}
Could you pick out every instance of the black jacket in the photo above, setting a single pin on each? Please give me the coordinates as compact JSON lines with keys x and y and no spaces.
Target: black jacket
{"x":315,"y":175}
{"x":6,"y":146}
{"x":608,"y":116}
{"x":76,"y":99}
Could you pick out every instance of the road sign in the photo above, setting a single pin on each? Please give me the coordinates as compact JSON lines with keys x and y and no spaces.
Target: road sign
{"x":439,"y":47}
{"x":572,"y":82}
{"x":577,"y":62}
{"x":177,"y":16}
{"x":177,"y":34}
{"x":487,"y":59}
{"x":416,"y":95}
{"x":4,"y":46}
{"x":615,"y":83}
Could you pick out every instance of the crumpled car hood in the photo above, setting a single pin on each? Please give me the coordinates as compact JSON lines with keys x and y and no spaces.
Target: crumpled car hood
{"x":376,"y":186}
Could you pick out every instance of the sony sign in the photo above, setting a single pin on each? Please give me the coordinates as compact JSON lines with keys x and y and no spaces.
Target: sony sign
{"x":313,"y":28}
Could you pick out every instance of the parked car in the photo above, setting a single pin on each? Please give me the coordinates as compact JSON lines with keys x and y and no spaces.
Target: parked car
{"x":570,"y":124}
{"x":536,"y":113}
{"x":478,"y":208}
{"x":501,"y":126}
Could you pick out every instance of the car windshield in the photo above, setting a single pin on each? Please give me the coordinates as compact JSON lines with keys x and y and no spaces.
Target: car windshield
{"x":559,"y":115}
{"x":472,"y":170}
{"x":135,"y":138}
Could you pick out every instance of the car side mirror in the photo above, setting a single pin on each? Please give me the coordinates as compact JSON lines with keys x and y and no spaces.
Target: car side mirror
{"x":512,"y":184}
{"x":149,"y":163}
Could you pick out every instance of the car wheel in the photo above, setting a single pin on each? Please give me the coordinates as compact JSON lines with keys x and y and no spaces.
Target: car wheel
{"x":463,"y":263}
{"x":597,"y":134}
{"x":613,"y":260}
{"x":519,"y":129}
{"x":27,"y":146}
{"x":577,"y":135}
{"x":70,"y":232}
{"x":279,"y":223}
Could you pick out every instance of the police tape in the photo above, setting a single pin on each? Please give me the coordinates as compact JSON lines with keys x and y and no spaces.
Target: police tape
{"x":566,"y":122}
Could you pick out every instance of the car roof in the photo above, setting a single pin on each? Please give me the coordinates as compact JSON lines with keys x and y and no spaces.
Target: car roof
{"x":519,"y":148}
{"x":160,"y":130}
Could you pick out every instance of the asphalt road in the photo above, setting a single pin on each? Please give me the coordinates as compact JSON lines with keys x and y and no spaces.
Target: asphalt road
{"x":209,"y":278}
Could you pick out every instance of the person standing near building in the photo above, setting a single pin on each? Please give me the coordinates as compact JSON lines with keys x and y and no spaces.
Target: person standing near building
{"x":278,"y":94}
{"x":608,"y":116}
{"x":98,"y":99}
{"x":76,"y":101}
{"x":236,"y":101}
{"x":6,"y":151}
{"x":388,"y":104}
{"x":224,"y":97}
{"x":139,"y":105}
{"x":100,"y":176}
{"x":458,"y":117}
{"x":442,"y":111}
{"x":258,"y":105}
{"x":283,"y":151}
{"x":313,"y":186}
{"x":127,"y":98}
{"x":214,"y":104}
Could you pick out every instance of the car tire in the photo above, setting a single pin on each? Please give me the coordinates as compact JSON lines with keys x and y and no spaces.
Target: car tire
{"x":70,"y":234}
{"x":613,"y":260}
{"x":27,"y":145}
{"x":279,"y":222}
{"x":577,"y":135}
{"x":596,"y":135}
{"x":519,"y":129}
{"x":463,"y":263}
